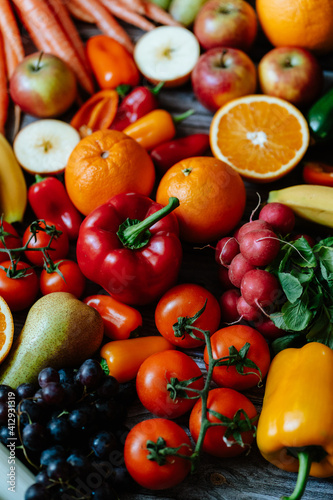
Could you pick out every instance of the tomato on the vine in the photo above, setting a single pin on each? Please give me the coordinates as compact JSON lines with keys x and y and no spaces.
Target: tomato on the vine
{"x":9,"y":238}
{"x":177,"y":311}
{"x":160,"y":471}
{"x":318,"y":173}
{"x":247,"y":353}
{"x":62,"y":276}
{"x":238,"y":416}
{"x":38,"y":235}
{"x":19,"y":291}
{"x":161,"y":383}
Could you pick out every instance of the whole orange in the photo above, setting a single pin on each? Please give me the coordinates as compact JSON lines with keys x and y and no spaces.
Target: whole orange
{"x":211,"y":194}
{"x":301,"y":23}
{"x":104,"y":164}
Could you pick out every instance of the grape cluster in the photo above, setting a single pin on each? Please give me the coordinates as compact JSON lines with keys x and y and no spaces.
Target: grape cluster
{"x":71,"y":430}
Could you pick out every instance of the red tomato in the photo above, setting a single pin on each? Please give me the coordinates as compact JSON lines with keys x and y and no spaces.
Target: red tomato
{"x":19,"y":292}
{"x":237,"y":336}
{"x":184,"y":302}
{"x":153,"y":377}
{"x":226,"y":402}
{"x":70,"y":280}
{"x":318,"y":173}
{"x":59,"y":246}
{"x":9,"y":238}
{"x":148,"y":473}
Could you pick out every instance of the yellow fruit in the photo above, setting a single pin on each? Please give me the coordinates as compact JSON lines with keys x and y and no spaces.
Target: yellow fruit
{"x":6,"y":329}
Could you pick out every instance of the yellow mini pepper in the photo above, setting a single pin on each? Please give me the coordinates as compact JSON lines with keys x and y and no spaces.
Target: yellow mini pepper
{"x":295,"y":428}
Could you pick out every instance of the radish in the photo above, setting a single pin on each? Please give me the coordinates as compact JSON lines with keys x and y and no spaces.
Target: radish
{"x":254,"y":225}
{"x":308,"y":238}
{"x":279,"y":216}
{"x":237,"y":269}
{"x":260,"y":288}
{"x":267,"y":328}
{"x":259,"y":248}
{"x":228,"y":302}
{"x":247,"y":312}
{"x":226,"y":249}
{"x":223,"y":276}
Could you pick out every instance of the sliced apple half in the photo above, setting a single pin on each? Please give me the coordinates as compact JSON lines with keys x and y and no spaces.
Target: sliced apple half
{"x":167,"y":54}
{"x":44,"y":146}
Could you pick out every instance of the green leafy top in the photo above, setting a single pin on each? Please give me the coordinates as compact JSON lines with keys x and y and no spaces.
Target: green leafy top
{"x":306,"y":278}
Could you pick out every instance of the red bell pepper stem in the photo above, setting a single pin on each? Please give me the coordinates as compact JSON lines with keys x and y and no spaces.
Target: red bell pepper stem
{"x":135,"y":234}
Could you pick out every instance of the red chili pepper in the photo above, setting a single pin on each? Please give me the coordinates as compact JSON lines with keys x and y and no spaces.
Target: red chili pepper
{"x":165,"y":155}
{"x":130,"y":246}
{"x":120,"y":320}
{"x":140,"y":101}
{"x":49,"y":200}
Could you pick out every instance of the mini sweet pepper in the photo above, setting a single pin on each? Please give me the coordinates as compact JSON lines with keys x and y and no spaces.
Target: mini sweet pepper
{"x":130,"y":246}
{"x":295,"y":428}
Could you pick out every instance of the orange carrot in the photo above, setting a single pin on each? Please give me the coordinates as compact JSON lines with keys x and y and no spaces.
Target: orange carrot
{"x":76,"y":11}
{"x":129,"y":16}
{"x":136,"y":5}
{"x":159,"y":15}
{"x":4,"y":99}
{"x":12,"y":41}
{"x":61,"y":13}
{"x":49,"y":36}
{"x":106,"y":22}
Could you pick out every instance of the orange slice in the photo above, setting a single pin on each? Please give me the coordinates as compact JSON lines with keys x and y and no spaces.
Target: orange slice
{"x":6,"y":329}
{"x":260,"y":136}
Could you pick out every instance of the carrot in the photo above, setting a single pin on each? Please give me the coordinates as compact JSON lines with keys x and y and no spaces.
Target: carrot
{"x":12,"y":41}
{"x":4,"y":99}
{"x":135,"y":5}
{"x":80,"y":14}
{"x":106,"y":22}
{"x":61,"y":13}
{"x":129,"y":16}
{"x":48,"y":35}
{"x":159,"y":15}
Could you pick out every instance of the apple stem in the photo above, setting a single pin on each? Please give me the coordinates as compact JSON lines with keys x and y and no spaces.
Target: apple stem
{"x":224,"y":51}
{"x":37,"y":67}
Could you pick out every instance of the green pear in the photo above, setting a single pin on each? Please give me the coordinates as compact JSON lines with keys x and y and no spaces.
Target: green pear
{"x":60,"y":331}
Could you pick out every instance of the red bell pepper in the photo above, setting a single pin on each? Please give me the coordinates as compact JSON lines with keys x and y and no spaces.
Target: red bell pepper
{"x":48,"y":199}
{"x":168,"y":153}
{"x":130,"y":246}
{"x":140,"y":101}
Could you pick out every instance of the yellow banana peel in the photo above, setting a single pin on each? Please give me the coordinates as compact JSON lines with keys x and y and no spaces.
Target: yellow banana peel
{"x":309,"y":201}
{"x":13,"y":187}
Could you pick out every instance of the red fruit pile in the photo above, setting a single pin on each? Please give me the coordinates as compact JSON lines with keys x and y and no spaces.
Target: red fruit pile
{"x":252,"y":292}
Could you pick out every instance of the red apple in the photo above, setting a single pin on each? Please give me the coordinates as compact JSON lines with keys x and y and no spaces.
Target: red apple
{"x":292,"y":73}
{"x":222,"y":74}
{"x":43,"y":85}
{"x":226,"y":23}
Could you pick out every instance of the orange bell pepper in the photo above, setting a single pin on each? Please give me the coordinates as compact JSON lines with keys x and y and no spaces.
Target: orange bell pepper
{"x":97,"y":112}
{"x":111,"y":63}
{"x":123,"y":358}
{"x":295,"y":428}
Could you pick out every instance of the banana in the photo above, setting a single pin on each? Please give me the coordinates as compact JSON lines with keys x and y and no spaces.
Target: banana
{"x":13,"y":188}
{"x":311,"y":202}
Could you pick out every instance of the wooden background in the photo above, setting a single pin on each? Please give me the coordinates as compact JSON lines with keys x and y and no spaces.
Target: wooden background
{"x":247,"y":477}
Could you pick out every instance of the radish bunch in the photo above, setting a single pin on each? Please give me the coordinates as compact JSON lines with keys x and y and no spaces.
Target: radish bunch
{"x":253,"y":292}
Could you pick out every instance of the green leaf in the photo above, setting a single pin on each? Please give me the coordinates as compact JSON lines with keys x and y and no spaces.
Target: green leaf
{"x":291,"y":286}
{"x":290,"y":340}
{"x":303,"y":275}
{"x":325,"y":255}
{"x":303,"y":255}
{"x":296,"y":316}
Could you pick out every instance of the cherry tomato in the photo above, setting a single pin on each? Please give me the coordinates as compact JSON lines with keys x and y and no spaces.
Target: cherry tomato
{"x":220,"y":440}
{"x":236,"y":374}
{"x":156,"y":374}
{"x":66,"y":277}
{"x":318,"y":173}
{"x":44,"y":230}
{"x":148,"y":473}
{"x":21,"y":291}
{"x":9,"y":238}
{"x":185,"y":301}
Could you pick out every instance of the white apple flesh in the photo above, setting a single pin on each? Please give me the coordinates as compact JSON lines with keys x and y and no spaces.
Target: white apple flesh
{"x":222,"y":74}
{"x":291,"y":73}
{"x":43,"y":85}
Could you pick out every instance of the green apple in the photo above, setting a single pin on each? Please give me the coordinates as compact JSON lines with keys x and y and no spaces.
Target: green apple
{"x":185,"y":11}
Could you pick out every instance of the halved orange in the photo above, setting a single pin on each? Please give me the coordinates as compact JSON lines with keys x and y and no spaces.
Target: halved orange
{"x":6,"y":329}
{"x":260,"y":136}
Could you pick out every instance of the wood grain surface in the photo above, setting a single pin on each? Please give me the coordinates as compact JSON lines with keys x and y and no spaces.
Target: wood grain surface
{"x":248,"y":477}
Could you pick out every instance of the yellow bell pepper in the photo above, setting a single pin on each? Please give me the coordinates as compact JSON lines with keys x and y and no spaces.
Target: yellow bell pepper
{"x":295,"y":428}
